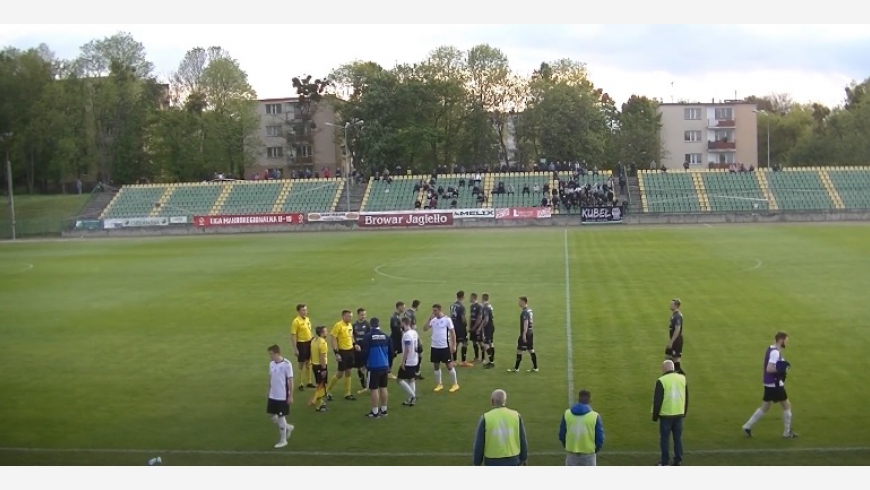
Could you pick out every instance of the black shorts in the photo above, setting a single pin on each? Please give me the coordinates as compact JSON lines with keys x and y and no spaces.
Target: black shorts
{"x":347,"y":361}
{"x":488,"y":335}
{"x":359,"y":361}
{"x":407,"y":373}
{"x":529,"y":344}
{"x":477,"y":335}
{"x":304,"y":349}
{"x":461,"y":334}
{"x":377,"y":379}
{"x":677,"y":349}
{"x":440,"y":355}
{"x":277,"y":407}
{"x":321,"y":374}
{"x":775,"y":394}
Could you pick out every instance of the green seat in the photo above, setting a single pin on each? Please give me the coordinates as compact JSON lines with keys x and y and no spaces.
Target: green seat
{"x":669,"y":192}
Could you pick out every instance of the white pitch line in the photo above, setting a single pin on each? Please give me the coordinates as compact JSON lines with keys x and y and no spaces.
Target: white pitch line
{"x":568,"y":339}
{"x":281,"y":453}
{"x":758,"y":264}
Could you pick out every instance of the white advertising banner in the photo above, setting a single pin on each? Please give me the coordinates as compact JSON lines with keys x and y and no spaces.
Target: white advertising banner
{"x":134,"y":222}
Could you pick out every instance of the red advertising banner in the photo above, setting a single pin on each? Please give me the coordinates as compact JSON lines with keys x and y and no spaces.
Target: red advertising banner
{"x":396,"y":220}
{"x":250,"y":219}
{"x":524,"y":213}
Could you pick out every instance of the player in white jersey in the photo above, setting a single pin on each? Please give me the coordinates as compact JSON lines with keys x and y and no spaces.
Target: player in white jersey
{"x":280,"y":393}
{"x":410,"y":359}
{"x":443,"y":346}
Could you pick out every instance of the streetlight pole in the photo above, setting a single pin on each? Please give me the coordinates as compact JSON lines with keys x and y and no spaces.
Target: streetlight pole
{"x":7,"y":139}
{"x":767,"y":116}
{"x":347,"y":163}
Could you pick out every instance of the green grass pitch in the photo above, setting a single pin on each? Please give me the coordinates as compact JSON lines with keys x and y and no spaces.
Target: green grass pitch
{"x":115,"y":351}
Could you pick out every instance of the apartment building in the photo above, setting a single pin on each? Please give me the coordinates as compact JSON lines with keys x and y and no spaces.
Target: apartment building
{"x":295,"y":136}
{"x":709,"y":135}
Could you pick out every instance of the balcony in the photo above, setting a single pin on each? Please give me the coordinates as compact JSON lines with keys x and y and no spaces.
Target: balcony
{"x":299,"y":160}
{"x":721,"y":123}
{"x":302,"y":115}
{"x":722,"y":145}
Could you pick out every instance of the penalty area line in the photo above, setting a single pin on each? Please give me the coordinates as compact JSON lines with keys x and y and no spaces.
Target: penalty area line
{"x":282,"y":453}
{"x":569,"y":341}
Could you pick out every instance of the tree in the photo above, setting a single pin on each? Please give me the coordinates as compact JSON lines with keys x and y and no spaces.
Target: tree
{"x":637,"y":136}
{"x":97,"y":56}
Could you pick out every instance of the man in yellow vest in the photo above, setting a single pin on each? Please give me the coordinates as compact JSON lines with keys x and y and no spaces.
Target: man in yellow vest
{"x":670,"y":405}
{"x":501,"y":435}
{"x":581,"y":432}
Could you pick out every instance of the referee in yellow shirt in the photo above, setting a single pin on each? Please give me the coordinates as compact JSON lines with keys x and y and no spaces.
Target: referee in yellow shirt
{"x":341,"y":338}
{"x":300,"y":335}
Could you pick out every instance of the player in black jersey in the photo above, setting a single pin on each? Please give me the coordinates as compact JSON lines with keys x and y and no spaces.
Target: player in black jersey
{"x":412,"y":314}
{"x":475,"y":321}
{"x":526,"y":340}
{"x":674,"y":349}
{"x":487,"y":329}
{"x":360,"y":329}
{"x":460,"y":326}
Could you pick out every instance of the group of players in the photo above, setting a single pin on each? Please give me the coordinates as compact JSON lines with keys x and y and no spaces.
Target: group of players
{"x":348,"y":341}
{"x":450,"y":339}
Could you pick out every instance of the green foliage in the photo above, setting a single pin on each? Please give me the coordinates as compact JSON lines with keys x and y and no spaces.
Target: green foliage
{"x":102,"y":116}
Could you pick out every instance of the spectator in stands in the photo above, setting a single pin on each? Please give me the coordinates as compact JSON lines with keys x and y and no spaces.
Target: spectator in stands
{"x":732,"y":168}
{"x":685,"y":165}
{"x":752,"y":168}
{"x":453,"y":204}
{"x":477,"y":179}
{"x":546,"y":188}
{"x":510,"y":189}
{"x":622,"y":184}
{"x":664,"y":169}
{"x":326,"y":173}
{"x":526,"y":189}
{"x":536,"y":189}
{"x":481,"y":199}
{"x":433,"y":203}
{"x":338,"y":173}
{"x":440,"y":191}
{"x":462,"y":182}
{"x":545,"y":202}
{"x":417,"y":204}
{"x":742,"y":168}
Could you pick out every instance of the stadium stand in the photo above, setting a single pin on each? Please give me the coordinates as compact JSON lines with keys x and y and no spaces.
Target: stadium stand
{"x":516,"y":182}
{"x":382,"y":195}
{"x":852,"y":184}
{"x":668,"y":192}
{"x":225,"y":198}
{"x":134,"y":201}
{"x":733,"y":192}
{"x":312,"y":195}
{"x":799,"y":189}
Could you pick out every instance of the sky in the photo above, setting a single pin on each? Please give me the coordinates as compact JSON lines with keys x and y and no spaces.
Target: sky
{"x":675,"y":62}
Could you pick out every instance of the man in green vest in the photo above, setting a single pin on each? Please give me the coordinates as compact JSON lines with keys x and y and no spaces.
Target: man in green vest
{"x":581,"y":432}
{"x":670,"y":405}
{"x":501,"y":435}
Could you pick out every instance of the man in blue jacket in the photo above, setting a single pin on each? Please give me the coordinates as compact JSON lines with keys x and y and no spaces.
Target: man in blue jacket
{"x":581,"y":432}
{"x":377,"y":351}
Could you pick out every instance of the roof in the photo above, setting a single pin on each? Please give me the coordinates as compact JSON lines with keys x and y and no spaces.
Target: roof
{"x":711,"y":103}
{"x":278,"y":101}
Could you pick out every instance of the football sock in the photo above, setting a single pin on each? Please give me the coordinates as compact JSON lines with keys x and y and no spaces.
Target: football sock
{"x":282,"y":428}
{"x":534,"y":360}
{"x":347,"y":385}
{"x":754,"y":419}
{"x":438,"y":377}
{"x":332,"y":383}
{"x":453,"y":376}
{"x":678,"y":368}
{"x":786,"y":421}
{"x":454,"y":357}
{"x":406,"y":387}
{"x":476,"y":351}
{"x":491,"y":354}
{"x":383,"y":409}
{"x":519,"y":360}
{"x":362,"y":378}
{"x":274,"y":419}
{"x":375,"y":410}
{"x":413,"y":384}
{"x":464,"y":353}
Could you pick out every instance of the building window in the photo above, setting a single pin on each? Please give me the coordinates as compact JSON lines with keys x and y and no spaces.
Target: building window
{"x":693,"y":158}
{"x":291,"y":107}
{"x":692,"y":136}
{"x":303,"y":151}
{"x":273,"y":131}
{"x":724,"y":114}
{"x":692,"y":114}
{"x":728,"y":157}
{"x":725,"y":135}
{"x":273,"y":108}
{"x":275,"y":152}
